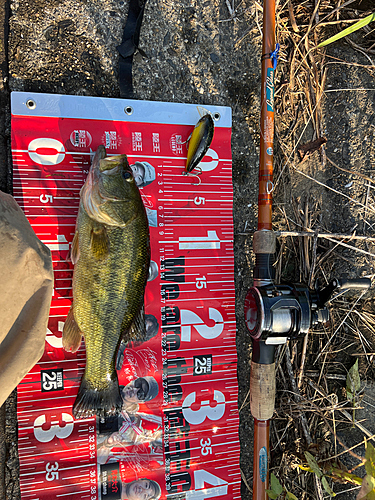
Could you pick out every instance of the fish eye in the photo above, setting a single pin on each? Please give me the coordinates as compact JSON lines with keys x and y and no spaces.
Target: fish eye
{"x":127,"y":176}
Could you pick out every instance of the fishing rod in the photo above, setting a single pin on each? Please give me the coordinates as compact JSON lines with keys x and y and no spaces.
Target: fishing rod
{"x":275,"y":313}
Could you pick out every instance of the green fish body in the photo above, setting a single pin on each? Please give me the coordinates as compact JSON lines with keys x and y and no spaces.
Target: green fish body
{"x":111,"y":255}
{"x":199,"y":142}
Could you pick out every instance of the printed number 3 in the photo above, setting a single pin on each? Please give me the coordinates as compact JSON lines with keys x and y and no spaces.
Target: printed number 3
{"x":56,"y":430}
{"x":205,"y":411}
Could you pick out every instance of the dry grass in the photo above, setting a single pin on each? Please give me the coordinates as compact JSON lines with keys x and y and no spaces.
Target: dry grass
{"x":311,"y":400}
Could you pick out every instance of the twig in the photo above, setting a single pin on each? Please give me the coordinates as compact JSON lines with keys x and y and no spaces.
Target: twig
{"x":351,"y":247}
{"x":297,"y":395}
{"x":346,"y":449}
{"x":306,"y":339}
{"x":330,"y":188}
{"x":351,"y":171}
{"x":244,"y":402}
{"x":318,"y":487}
{"x":322,"y":235}
{"x":346,"y":414}
{"x":245,"y":481}
{"x":340,"y":325}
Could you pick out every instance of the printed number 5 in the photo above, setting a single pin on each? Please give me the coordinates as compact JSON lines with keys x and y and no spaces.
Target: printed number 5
{"x":55,"y":430}
{"x":205,"y":411}
{"x":199,"y":200}
{"x":45,"y":198}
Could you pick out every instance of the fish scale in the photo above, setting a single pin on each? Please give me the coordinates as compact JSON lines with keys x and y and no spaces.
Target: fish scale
{"x":107,"y":310}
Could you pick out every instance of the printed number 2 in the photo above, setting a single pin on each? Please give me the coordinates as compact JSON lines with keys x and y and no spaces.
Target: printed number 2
{"x":196,"y":417}
{"x":55,"y":430}
{"x":190,"y":318}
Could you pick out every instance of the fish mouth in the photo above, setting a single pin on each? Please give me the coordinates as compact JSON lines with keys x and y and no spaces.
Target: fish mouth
{"x":93,"y":194}
{"x":106,"y":164}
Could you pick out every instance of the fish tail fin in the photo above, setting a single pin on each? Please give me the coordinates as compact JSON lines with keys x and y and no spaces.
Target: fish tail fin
{"x":72,"y":335}
{"x":101,"y":401}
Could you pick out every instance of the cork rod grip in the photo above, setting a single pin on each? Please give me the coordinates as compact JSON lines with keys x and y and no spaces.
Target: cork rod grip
{"x":262,"y":390}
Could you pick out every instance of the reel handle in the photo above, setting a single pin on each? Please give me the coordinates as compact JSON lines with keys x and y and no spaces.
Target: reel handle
{"x":341,"y":286}
{"x":360,"y":284}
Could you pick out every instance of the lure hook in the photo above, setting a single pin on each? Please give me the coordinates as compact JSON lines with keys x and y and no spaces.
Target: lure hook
{"x":190,"y":174}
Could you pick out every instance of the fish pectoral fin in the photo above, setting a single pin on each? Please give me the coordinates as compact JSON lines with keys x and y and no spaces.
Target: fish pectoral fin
{"x":72,"y":336}
{"x":137,"y":330}
{"x":99,"y":242}
{"x":74,"y":252}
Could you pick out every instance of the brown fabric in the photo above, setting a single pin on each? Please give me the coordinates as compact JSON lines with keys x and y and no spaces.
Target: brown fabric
{"x":26,"y":284}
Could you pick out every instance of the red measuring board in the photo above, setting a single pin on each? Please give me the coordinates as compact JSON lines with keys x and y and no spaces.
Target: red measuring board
{"x":182,"y":442}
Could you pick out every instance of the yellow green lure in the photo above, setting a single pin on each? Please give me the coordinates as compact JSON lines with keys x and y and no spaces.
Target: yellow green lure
{"x":199,"y":142}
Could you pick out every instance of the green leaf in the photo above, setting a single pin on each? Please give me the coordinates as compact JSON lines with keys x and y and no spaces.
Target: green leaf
{"x":290,"y":496}
{"x":272,"y":494}
{"x":326,"y":486}
{"x":275,"y":484}
{"x":312,"y":462}
{"x":353,"y":382}
{"x":367,"y":491}
{"x":370,"y":461}
{"x":360,"y":24}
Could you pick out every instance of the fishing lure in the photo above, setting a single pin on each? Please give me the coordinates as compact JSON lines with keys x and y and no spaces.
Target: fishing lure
{"x":199,"y":142}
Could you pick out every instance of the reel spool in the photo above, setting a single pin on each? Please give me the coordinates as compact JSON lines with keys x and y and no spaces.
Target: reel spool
{"x":277,"y":313}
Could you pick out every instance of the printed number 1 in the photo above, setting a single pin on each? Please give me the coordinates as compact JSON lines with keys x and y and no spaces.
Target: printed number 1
{"x":209,"y":242}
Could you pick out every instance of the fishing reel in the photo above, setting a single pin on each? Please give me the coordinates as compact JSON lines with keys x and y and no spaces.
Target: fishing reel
{"x":277,"y":313}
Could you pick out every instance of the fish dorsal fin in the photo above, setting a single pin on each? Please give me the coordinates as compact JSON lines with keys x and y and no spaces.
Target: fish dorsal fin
{"x":74,"y":252}
{"x":99,"y":242}
{"x":137,"y":330}
{"x":72,"y":335}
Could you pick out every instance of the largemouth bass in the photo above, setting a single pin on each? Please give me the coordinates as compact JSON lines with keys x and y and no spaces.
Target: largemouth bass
{"x":111,"y":256}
